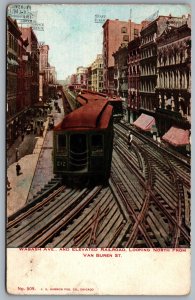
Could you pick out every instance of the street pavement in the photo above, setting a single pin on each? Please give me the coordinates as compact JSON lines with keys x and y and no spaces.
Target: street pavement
{"x":36,"y":165}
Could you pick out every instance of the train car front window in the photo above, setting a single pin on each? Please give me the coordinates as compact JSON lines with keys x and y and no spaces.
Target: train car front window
{"x":61,"y":143}
{"x":97,"y":144}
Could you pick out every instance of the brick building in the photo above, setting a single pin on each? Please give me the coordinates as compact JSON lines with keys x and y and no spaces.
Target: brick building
{"x":115,"y":34}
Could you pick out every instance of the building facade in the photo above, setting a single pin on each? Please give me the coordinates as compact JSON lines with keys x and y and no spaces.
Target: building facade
{"x":13,"y":36}
{"x":89,"y":78}
{"x":43,"y":64}
{"x":19,"y":75}
{"x":73,"y":79}
{"x":115,"y":34}
{"x":121,"y":72}
{"x":148,"y":61}
{"x":133,"y":79}
{"x":81,"y":76}
{"x":173,"y":91}
{"x":80,"y":79}
{"x":33,"y":49}
{"x":97,"y":74}
{"x":51,"y":81}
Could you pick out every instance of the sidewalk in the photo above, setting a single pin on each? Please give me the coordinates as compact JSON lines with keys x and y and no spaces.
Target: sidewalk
{"x":21,"y":185}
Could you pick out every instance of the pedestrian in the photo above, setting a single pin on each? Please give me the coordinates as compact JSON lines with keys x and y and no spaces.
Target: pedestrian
{"x":18,"y":168}
{"x":129,"y":138}
{"x":158,"y":141}
{"x":8,"y":184}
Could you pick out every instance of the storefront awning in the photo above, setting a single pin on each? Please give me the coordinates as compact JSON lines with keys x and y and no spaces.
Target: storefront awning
{"x":177,"y":137}
{"x":145,"y":122}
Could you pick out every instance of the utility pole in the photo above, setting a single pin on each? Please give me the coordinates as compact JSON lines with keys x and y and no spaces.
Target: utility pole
{"x":130,"y":13}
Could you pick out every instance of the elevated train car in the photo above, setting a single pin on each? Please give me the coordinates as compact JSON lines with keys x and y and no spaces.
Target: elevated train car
{"x":82,"y":143}
{"x":117,"y":105}
{"x":88,"y":96}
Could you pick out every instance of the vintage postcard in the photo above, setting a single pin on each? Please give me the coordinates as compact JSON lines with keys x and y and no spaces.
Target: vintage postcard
{"x":98,"y":149}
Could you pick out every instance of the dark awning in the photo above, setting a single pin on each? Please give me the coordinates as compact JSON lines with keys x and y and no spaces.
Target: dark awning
{"x":177,"y":136}
{"x":145,"y":122}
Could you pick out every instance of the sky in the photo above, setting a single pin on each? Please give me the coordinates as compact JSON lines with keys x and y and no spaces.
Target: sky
{"x":73,"y":36}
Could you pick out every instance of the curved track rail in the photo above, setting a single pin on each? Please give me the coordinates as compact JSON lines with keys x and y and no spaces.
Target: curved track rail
{"x":171,"y":211}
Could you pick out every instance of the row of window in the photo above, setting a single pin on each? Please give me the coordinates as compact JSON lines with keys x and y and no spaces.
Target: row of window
{"x":148,"y":38}
{"x":96,"y":143}
{"x":12,"y":84}
{"x":124,"y":30}
{"x":134,"y":69}
{"x":177,"y":79}
{"x":172,"y":58}
{"x":15,"y":84}
{"x":147,"y":103}
{"x":178,"y":104}
{"x":149,"y":69}
{"x":12,"y":42}
{"x":134,"y":53}
{"x":151,"y":51}
{"x":11,"y":107}
{"x":148,"y":87}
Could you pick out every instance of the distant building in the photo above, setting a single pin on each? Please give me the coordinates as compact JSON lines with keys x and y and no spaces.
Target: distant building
{"x":115,"y":34}
{"x":67,"y":80}
{"x":80,"y":79}
{"x":73,"y":79}
{"x":81,"y":76}
{"x":97,"y":74}
{"x":43,"y":56}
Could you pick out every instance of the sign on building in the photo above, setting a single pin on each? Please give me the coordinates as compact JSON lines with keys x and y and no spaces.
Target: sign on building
{"x":38,"y":26}
{"x":22,"y":13}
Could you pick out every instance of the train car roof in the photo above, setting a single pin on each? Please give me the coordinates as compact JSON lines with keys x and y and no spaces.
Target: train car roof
{"x":91,"y":116}
{"x":87,"y":97}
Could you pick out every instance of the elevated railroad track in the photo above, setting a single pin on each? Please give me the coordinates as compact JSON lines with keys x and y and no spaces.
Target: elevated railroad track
{"x":146,"y":204}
